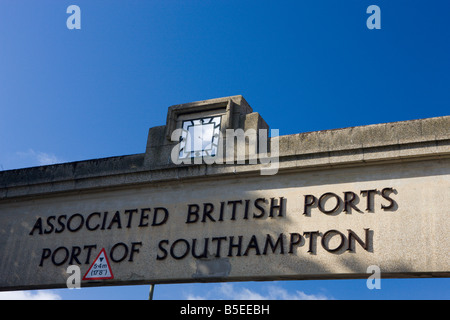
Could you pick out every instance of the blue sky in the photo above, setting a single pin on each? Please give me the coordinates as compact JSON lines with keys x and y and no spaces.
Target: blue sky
{"x":69,"y":95}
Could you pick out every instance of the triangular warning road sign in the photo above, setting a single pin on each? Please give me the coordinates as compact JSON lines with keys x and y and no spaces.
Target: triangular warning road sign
{"x":100,"y":268}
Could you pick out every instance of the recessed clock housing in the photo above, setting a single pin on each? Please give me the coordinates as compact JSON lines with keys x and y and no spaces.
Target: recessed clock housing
{"x":204,"y":125}
{"x":200,"y":137}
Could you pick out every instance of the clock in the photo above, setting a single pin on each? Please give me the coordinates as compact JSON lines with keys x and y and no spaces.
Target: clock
{"x":200,"y":137}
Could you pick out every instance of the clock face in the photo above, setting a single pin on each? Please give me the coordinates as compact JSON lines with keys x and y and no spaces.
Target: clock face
{"x":200,"y":137}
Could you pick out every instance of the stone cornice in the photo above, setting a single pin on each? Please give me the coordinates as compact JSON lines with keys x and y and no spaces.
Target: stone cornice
{"x":398,"y":141}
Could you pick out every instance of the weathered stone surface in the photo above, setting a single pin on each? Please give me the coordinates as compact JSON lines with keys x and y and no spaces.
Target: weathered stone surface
{"x":389,"y":184}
